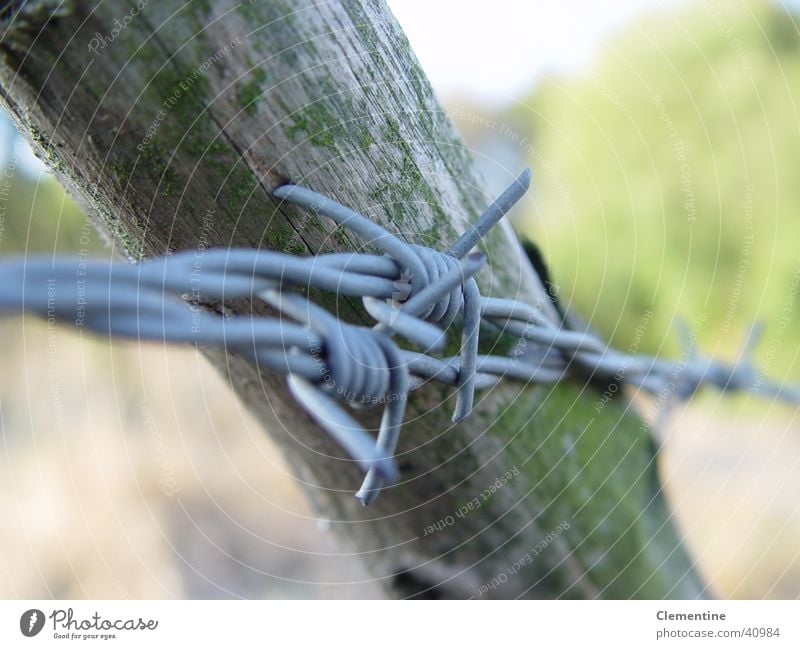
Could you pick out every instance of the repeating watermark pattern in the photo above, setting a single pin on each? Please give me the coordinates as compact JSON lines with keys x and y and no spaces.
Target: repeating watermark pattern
{"x":7,"y":184}
{"x":194,"y":297}
{"x":679,"y":146}
{"x":183,"y":87}
{"x":678,"y":384}
{"x":81,"y":270}
{"x":523,"y":560}
{"x":521,"y":346}
{"x":727,"y":32}
{"x":522,"y":141}
{"x":619,"y":376}
{"x":342,"y":390}
{"x":613,"y":97}
{"x":744,"y":260}
{"x":168,"y":480}
{"x":787,"y":313}
{"x":472,"y":505}
{"x":101,"y":41}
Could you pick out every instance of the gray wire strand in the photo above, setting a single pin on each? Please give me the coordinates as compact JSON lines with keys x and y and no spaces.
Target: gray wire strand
{"x":411,"y":291}
{"x":492,"y":215}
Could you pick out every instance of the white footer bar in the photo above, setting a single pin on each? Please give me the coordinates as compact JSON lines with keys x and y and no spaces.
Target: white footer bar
{"x":406,"y":625}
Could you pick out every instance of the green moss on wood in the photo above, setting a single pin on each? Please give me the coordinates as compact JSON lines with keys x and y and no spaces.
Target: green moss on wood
{"x":316,"y":124}
{"x":595,"y":468}
{"x":248,"y":95}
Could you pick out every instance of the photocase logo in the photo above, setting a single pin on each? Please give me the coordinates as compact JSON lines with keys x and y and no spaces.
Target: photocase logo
{"x":31,"y":622}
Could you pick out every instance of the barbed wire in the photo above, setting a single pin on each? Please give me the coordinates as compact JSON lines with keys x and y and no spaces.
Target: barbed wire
{"x":410,"y":290}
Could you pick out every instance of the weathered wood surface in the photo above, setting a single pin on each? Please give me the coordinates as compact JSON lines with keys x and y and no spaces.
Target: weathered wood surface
{"x":175,"y":122}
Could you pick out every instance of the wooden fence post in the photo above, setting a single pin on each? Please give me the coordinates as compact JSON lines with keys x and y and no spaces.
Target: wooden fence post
{"x":174,"y":120}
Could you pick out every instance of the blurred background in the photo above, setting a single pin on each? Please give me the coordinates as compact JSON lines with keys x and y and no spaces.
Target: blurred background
{"x":664,"y":139}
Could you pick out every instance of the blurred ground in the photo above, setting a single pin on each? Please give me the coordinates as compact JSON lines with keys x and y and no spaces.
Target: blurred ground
{"x":133,"y":472}
{"x":732,"y":476}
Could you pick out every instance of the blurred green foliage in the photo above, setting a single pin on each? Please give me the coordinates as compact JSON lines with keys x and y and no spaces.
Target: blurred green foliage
{"x":36,"y":214}
{"x":667,"y":179}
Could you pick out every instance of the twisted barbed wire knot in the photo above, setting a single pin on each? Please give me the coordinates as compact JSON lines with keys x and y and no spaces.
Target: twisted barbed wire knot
{"x":441,"y":285}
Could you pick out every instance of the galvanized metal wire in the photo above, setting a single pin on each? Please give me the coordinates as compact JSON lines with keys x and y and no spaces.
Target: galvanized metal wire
{"x":410,"y":290}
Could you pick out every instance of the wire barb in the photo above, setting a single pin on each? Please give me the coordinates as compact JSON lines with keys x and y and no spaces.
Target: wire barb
{"x":410,"y":290}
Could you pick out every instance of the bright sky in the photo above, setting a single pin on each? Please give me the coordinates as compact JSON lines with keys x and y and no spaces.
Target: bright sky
{"x":494,"y":51}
